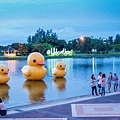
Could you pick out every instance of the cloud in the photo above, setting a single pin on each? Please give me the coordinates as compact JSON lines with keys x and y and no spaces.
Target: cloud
{"x":70,"y":19}
{"x":34,"y":1}
{"x":13,"y":31}
{"x":17,"y":30}
{"x":67,"y":33}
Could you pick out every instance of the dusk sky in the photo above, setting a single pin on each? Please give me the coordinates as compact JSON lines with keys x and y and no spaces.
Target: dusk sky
{"x":70,"y":19}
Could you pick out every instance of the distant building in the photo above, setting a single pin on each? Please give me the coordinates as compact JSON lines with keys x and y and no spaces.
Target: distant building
{"x":10,"y":52}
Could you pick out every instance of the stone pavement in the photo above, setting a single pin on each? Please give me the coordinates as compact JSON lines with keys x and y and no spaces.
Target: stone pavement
{"x":79,"y":108}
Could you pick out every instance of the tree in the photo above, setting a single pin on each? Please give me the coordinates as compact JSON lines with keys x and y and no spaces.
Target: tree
{"x":22,"y":48}
{"x":61,"y":44}
{"x":15,"y":46}
{"x":117,"y":39}
{"x":29,"y":40}
{"x":42,"y":36}
{"x":29,"y":47}
{"x":117,"y":48}
{"x":41,"y":47}
{"x":110,"y":39}
{"x":69,"y":45}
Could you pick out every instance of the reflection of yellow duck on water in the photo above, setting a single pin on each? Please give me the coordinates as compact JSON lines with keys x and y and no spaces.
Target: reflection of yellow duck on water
{"x":36,"y":90}
{"x":4,"y":78}
{"x":4,"y":88}
{"x":60,"y":83}
{"x":59,"y":70}
{"x":35,"y":69}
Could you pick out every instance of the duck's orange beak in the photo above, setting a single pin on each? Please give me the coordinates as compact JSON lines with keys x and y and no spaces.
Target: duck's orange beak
{"x":40,"y":63}
{"x":5,"y":72}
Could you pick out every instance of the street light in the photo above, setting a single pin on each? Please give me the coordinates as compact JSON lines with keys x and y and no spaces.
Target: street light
{"x":82,"y":39}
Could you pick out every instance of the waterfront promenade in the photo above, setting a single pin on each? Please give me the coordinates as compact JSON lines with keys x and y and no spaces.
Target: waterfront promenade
{"x":79,"y":108}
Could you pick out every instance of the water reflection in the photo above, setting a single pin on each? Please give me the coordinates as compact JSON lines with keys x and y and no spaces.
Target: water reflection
{"x":93,"y":64}
{"x":52,"y":62}
{"x":59,"y":83}
{"x":12,"y":65}
{"x":76,"y":82}
{"x":4,"y":91}
{"x":35,"y":90}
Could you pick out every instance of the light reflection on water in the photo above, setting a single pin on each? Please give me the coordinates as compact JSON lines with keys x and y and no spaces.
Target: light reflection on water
{"x":18,"y":91}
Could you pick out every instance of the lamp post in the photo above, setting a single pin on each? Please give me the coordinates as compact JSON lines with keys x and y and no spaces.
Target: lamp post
{"x":82,"y":41}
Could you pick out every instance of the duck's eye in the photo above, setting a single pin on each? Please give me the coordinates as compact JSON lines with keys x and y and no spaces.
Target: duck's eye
{"x":8,"y":69}
{"x":34,"y":60}
{"x":2,"y":70}
{"x":60,"y":65}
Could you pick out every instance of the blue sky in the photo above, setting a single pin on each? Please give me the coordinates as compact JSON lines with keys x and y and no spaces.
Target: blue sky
{"x":68,"y":18}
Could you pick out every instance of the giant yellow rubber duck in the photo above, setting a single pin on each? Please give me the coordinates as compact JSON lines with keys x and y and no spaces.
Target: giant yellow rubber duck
{"x":35,"y":69}
{"x":59,"y":70}
{"x":35,"y":90}
{"x":4,"y":78}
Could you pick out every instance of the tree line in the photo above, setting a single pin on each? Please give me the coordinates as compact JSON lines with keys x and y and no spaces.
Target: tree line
{"x":43,"y":40}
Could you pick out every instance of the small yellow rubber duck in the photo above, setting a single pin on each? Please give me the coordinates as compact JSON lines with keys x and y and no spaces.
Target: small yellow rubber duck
{"x":59,"y":70}
{"x":35,"y":69}
{"x":4,"y":78}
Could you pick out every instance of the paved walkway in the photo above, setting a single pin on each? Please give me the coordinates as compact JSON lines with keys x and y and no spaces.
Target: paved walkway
{"x":80,"y":108}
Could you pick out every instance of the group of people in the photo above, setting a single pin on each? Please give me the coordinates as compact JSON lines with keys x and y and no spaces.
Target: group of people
{"x":101,"y":82}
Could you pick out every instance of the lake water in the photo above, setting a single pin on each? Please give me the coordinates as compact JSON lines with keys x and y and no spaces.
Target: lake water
{"x":18,"y":91}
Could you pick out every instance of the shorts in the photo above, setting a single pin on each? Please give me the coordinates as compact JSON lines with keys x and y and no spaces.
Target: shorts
{"x":115,"y":83}
{"x":99,"y":85}
{"x":3,"y":112}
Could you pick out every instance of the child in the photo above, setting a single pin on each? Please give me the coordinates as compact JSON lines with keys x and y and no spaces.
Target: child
{"x":103,"y":84}
{"x":93,"y":85}
{"x":3,"y":110}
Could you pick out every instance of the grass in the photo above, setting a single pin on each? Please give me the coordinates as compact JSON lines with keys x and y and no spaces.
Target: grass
{"x":99,"y":55}
{"x":16,"y":58}
{"x":111,"y":54}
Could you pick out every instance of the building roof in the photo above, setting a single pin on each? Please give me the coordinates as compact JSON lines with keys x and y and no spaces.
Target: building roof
{"x":10,"y":49}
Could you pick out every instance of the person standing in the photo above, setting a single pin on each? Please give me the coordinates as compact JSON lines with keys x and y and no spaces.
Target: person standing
{"x":3,"y":110}
{"x":115,"y":82}
{"x":109,"y":81}
{"x":103,"y":84}
{"x":93,"y":85}
{"x":99,"y":82}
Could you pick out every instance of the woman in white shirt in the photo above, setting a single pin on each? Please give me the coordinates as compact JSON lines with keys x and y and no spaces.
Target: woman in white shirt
{"x":93,"y":84}
{"x":3,"y":110}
